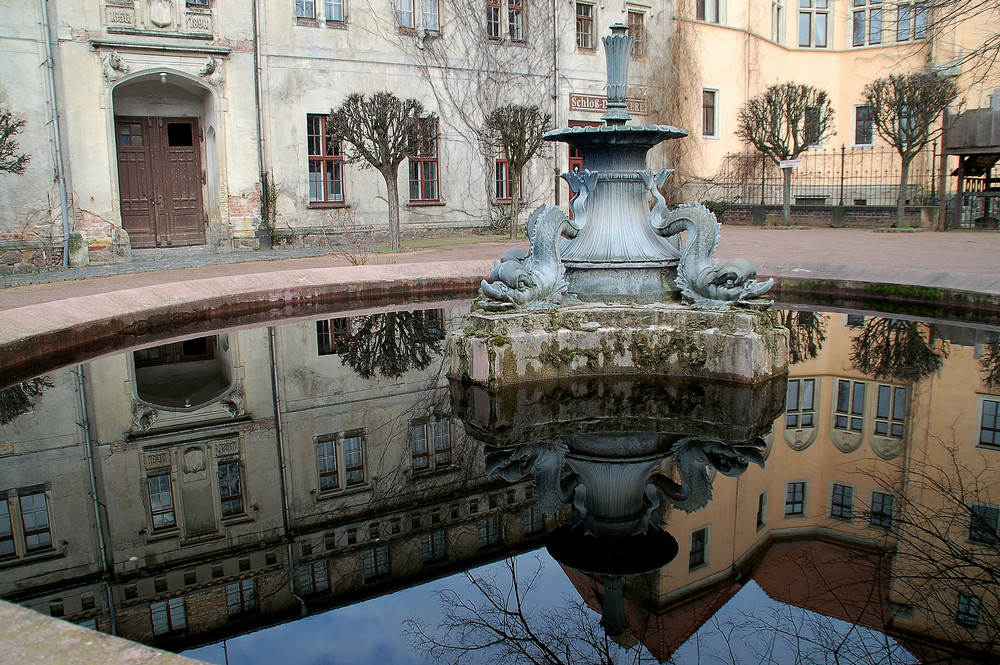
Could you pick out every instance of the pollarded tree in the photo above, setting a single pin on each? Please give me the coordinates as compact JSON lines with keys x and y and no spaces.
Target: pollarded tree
{"x":10,"y":161}
{"x":516,"y":131}
{"x":905,"y":109}
{"x":382,"y":131}
{"x":782,"y":122}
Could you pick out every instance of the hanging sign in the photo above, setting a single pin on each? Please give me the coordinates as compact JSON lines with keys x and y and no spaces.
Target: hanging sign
{"x":789,"y":163}
{"x":599,"y":104}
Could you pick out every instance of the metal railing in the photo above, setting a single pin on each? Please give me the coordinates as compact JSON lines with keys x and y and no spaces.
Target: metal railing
{"x":840,"y":176}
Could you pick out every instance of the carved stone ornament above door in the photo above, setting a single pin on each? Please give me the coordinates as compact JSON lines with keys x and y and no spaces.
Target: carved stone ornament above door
{"x":161,"y":12}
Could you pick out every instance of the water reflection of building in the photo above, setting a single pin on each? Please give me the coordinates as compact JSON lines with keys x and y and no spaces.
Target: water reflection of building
{"x":877,"y":504}
{"x":208,"y":487}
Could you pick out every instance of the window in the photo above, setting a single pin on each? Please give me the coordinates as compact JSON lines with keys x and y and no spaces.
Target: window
{"x":778,"y":21}
{"x":314,"y":578}
{"x":881,"y":513}
{"x":7,"y":547}
{"x":430,"y":15}
{"x":866,"y":22}
{"x":504,"y":184}
{"x":813,"y":125}
{"x":340,"y":461}
{"x":333,"y":11}
{"x":305,"y":9}
{"x":890,"y":409}
{"x":795,"y":498}
{"x":331,"y":334}
{"x":35,"y":520}
{"x":326,"y":163}
{"x":585,"y":26}
{"x":422,"y":435}
{"x":533,"y":520}
{"x":707,"y":10}
{"x":493,"y":11}
{"x":489,"y":530}
{"x":967,"y":613}
{"x":863,"y":127}
{"x":989,"y":425}
{"x":433,"y":320}
{"x":850,"y":408}
{"x":241,"y":597}
{"x":161,"y":501}
{"x":230,"y":488}
{"x":697,"y":555}
{"x":984,"y":519}
{"x":405,"y":14}
{"x":842,"y":504}
{"x":432,"y":546}
{"x":376,"y":562}
{"x":637,"y":29}
{"x":761,"y":509}
{"x":800,"y":406}
{"x":814,"y":16}
{"x":197,"y":3}
{"x":709,"y":113}
{"x":911,"y":21}
{"x":424,"y":162}
{"x":515,"y":20}
{"x":168,"y":616}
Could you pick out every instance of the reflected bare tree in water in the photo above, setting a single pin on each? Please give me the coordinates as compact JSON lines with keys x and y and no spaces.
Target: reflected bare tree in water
{"x":895,"y":349}
{"x":806,"y":333}
{"x":498,"y":624}
{"x":989,"y":363}
{"x":391,"y":343}
{"x":20,"y":398}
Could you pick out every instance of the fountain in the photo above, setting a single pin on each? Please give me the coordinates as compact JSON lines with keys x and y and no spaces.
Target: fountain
{"x":631,"y":289}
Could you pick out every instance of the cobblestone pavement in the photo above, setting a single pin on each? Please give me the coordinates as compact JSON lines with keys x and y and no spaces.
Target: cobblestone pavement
{"x":957,"y":259}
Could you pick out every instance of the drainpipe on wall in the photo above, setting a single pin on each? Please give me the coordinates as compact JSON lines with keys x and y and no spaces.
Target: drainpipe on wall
{"x":60,"y":175}
{"x":555,"y":92}
{"x":258,"y":93}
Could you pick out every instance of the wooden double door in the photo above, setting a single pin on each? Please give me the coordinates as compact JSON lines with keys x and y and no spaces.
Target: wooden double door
{"x":160,"y":178}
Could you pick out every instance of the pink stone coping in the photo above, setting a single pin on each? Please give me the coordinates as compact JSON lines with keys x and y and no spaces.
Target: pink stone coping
{"x":74,"y":329}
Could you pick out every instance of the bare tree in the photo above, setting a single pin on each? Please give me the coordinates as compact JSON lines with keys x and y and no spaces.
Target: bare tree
{"x":977,"y":18}
{"x":382,"y":131}
{"x":806,"y":333}
{"x":989,"y":363}
{"x":516,"y":131}
{"x":10,"y":161}
{"x":905,"y":109}
{"x":782,"y":122}
{"x":895,"y":349}
{"x":500,"y":625}
{"x":390,"y":343}
{"x":20,"y":397}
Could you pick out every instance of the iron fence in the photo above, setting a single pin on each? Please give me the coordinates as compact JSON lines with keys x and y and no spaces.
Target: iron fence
{"x":840,"y":176}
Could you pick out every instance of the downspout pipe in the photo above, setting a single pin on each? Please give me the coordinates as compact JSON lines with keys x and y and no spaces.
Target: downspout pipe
{"x":60,"y":174}
{"x":257,"y":92}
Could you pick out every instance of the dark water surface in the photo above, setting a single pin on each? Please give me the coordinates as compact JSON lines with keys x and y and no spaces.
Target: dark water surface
{"x":318,"y":491}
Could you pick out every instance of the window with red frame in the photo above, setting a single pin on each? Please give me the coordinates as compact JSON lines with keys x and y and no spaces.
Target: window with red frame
{"x":424,"y":163}
{"x":504,"y":184}
{"x":326,"y":163}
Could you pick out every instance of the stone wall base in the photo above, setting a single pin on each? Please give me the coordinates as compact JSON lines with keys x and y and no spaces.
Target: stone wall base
{"x":500,"y":349}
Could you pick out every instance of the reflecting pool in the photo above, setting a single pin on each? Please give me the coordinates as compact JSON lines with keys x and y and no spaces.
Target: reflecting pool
{"x":319,"y":491}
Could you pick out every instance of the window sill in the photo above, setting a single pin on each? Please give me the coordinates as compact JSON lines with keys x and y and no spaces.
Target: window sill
{"x":862,"y":146}
{"x":711,"y":137}
{"x":32,"y":558}
{"x":326,"y":495}
{"x":162,"y":534}
{"x":325,"y":204}
{"x":425,"y":204}
{"x":337,"y":25}
{"x":586,"y":51}
{"x":235,"y":520}
{"x":306,"y":22}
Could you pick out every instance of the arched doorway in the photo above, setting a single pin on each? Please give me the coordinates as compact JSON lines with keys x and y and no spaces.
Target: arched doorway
{"x":159,"y":139}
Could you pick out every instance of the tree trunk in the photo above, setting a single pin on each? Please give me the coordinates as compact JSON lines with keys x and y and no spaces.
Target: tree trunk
{"x":904,"y":174}
{"x":392,"y":191}
{"x":515,"y":202}
{"x":786,"y":196}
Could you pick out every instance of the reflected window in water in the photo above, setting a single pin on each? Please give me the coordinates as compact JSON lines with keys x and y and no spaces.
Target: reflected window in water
{"x":376,"y":562}
{"x":795,"y":498}
{"x":489,"y":531}
{"x":761,"y":510}
{"x":314,"y":578}
{"x":340,"y":461}
{"x":890,"y":411}
{"x":161,"y":501}
{"x":850,"y":405}
{"x":989,"y":428}
{"x":799,"y":403}
{"x":842,"y":504}
{"x":168,"y":616}
{"x":241,"y":597}
{"x":432,"y":546}
{"x":968,"y":610}
{"x":230,"y":488}
{"x":183,"y":375}
{"x":330,"y":333}
{"x":984,"y":521}
{"x":697,"y":555}
{"x":533,"y":521}
{"x":881,"y":512}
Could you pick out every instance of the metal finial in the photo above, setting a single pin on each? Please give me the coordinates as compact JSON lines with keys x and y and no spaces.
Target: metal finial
{"x":618,"y":50}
